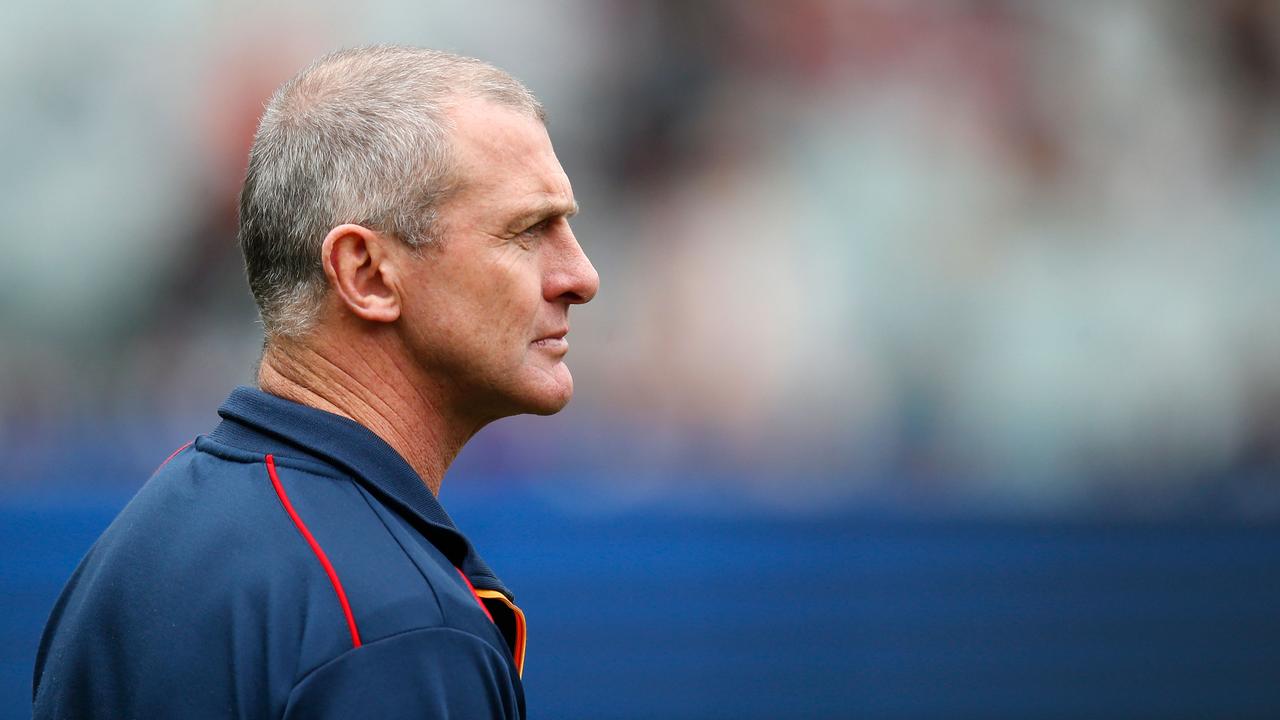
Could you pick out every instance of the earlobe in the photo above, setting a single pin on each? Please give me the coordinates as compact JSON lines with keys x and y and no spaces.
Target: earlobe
{"x":362,"y":272}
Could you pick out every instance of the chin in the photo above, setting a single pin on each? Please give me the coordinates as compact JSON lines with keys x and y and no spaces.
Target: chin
{"x":551,"y":395}
{"x":551,"y":404}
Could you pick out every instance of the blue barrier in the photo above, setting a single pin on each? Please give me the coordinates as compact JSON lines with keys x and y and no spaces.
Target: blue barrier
{"x":647,"y":615}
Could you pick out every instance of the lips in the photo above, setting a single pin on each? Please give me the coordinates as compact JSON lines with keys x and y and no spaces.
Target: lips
{"x":556,"y":335}
{"x":553,"y":340}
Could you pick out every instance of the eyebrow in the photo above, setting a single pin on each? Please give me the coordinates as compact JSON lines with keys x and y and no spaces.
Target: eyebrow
{"x":540,"y":211}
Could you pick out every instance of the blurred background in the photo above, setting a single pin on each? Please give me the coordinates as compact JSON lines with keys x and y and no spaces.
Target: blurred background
{"x":935,"y":371}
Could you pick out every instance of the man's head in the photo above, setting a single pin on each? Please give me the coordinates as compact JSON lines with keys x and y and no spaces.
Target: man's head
{"x":412,"y":198}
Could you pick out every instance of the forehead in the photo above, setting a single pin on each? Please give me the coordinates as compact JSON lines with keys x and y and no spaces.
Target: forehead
{"x":504,"y":158}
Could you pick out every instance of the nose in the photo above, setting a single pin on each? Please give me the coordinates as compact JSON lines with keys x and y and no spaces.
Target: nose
{"x":572,"y":279}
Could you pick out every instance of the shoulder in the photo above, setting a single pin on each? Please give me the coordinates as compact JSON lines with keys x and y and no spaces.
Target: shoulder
{"x":322,"y":539}
{"x":312,"y":533}
{"x":240,"y":574}
{"x":208,"y":546}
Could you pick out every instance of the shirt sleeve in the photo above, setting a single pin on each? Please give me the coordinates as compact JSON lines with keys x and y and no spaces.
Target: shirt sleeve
{"x":423,"y":674}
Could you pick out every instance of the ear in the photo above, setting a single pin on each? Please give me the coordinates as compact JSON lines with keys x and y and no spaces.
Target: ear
{"x":360,"y":265}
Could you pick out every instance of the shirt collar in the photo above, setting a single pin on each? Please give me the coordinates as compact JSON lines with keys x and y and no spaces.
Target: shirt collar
{"x":346,"y":444}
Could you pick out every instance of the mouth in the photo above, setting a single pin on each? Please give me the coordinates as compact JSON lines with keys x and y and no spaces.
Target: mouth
{"x":553,"y":341}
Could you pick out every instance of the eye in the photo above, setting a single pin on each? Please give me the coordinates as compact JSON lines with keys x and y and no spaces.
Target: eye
{"x":526,"y":237}
{"x":538,"y":228}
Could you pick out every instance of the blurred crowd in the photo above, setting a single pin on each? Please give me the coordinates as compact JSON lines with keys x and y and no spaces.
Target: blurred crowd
{"x":976,"y":256}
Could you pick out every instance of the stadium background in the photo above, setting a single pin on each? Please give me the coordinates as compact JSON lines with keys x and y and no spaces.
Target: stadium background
{"x":935,"y":372}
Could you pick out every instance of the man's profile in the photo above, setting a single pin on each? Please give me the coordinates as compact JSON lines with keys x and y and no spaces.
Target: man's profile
{"x":404,"y":226}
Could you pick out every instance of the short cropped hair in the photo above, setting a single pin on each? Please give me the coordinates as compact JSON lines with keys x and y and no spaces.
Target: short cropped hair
{"x":359,"y":136}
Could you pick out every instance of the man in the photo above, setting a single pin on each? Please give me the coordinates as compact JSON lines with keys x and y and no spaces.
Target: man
{"x":404,"y":225}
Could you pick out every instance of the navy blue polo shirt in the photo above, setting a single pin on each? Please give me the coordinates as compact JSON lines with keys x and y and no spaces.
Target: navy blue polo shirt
{"x":289,"y":564}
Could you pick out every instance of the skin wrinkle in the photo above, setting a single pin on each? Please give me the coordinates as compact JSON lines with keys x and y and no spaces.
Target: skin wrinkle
{"x":546,"y":209}
{"x":293,"y":376}
{"x":390,"y":410}
{"x":427,"y":346}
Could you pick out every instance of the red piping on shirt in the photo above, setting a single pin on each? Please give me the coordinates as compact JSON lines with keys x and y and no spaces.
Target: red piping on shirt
{"x":315,"y":548}
{"x":172,"y":455}
{"x":474,"y":594}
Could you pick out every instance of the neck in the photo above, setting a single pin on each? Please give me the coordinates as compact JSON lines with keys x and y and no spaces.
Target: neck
{"x":371,"y":389}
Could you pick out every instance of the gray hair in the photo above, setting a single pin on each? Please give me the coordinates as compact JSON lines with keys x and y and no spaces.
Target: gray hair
{"x":359,"y":136}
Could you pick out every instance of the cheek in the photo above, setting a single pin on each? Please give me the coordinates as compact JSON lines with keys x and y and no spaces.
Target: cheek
{"x":485,"y":313}
{"x":511,"y":300}
{"x":515,"y":288}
